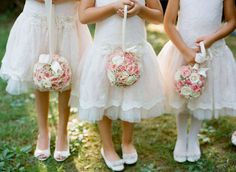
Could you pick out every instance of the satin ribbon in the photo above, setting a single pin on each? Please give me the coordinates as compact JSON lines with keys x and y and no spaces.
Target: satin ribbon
{"x":132,"y":49}
{"x":51,"y":25}
{"x":48,"y":58}
{"x":124,"y":27}
{"x":202,"y":56}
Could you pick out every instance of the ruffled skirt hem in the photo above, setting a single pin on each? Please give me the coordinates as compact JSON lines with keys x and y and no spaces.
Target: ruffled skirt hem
{"x":132,"y":115}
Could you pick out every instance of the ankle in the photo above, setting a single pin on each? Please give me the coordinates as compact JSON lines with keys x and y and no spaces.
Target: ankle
{"x":62,"y":134}
{"x":43,"y":134}
{"x":108,"y":149}
{"x":127,"y":143}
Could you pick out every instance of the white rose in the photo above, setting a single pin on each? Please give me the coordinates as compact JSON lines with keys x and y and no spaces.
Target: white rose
{"x":124,"y":74}
{"x":195,"y":95}
{"x":111,"y":76}
{"x":186,"y":91}
{"x":131,"y":80}
{"x":46,"y":83}
{"x":178,"y":76}
{"x":194,"y":78}
{"x":118,"y":60}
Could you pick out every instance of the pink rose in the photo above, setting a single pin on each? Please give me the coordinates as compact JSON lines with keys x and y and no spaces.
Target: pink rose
{"x":195,"y":88}
{"x":185,"y":71}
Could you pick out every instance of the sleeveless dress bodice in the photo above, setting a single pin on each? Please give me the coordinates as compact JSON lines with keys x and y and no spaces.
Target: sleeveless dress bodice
{"x":198,"y":18}
{"x":110,"y":29}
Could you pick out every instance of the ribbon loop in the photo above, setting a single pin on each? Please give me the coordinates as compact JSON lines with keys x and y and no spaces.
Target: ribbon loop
{"x":51,"y":23}
{"x":124,"y":26}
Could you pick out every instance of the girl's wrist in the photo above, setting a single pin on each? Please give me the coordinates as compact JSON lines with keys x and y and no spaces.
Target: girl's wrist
{"x":114,"y":7}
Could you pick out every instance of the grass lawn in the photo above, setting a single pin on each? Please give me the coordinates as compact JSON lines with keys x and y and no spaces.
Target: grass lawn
{"x":155,"y":138}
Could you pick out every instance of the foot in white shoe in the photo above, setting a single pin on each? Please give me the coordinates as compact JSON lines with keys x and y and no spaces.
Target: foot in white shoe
{"x":193,"y":152}
{"x":42,"y":154}
{"x":114,"y":165}
{"x":180,"y":152}
{"x":62,"y":154}
{"x":129,"y":154}
{"x":233,"y":138}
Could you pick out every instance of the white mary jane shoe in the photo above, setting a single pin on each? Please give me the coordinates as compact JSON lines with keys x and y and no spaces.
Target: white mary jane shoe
{"x":233,"y":138}
{"x":193,"y":157}
{"x":181,"y":157}
{"x":42,"y":155}
{"x":131,"y":158}
{"x":60,"y":156}
{"x":113,"y":165}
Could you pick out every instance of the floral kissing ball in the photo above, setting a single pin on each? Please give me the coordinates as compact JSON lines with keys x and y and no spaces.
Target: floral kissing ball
{"x":190,"y":81}
{"x":52,"y":74}
{"x":123,"y":68}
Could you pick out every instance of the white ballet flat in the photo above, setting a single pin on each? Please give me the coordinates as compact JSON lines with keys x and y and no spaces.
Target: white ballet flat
{"x":60,"y":156}
{"x":114,"y":165}
{"x":42,"y":155}
{"x":233,"y":138}
{"x":131,"y":158}
{"x":181,"y":157}
{"x":193,"y":157}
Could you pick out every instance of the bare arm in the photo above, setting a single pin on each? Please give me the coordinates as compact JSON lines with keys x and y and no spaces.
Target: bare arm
{"x":172,"y":32}
{"x":151,"y":12}
{"x":90,"y":14}
{"x":57,"y":1}
{"x":226,"y":29}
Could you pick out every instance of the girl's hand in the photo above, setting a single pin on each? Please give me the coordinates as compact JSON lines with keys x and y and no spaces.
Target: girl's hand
{"x":134,"y":10}
{"x":56,"y":1}
{"x":119,"y":5}
{"x":41,"y":1}
{"x":207,"y":40}
{"x":190,"y":54}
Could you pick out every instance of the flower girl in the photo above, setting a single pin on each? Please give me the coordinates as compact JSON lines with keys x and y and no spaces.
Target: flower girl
{"x":108,"y":90}
{"x":27,"y":41}
{"x":199,"y":21}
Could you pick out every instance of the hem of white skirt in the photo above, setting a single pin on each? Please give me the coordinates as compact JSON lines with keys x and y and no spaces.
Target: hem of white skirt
{"x":206,"y":113}
{"x":113,"y":112}
{"x":17,"y":86}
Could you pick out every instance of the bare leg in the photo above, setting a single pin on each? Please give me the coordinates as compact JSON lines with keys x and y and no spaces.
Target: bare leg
{"x":64,"y":113}
{"x":127,"y":138}
{"x":194,"y":152}
{"x":180,"y":152}
{"x":42,"y":107}
{"x":105,"y":127}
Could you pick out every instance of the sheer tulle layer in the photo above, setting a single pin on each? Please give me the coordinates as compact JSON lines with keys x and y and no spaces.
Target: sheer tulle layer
{"x":219,"y":95}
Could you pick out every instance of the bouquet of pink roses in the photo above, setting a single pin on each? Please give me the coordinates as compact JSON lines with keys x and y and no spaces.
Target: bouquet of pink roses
{"x":190,"y":81}
{"x":123,"y":68}
{"x":52,"y":74}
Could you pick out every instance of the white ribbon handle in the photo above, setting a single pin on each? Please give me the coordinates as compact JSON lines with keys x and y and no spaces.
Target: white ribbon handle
{"x":202,"y":56}
{"x":124,"y":26}
{"x":50,"y":20}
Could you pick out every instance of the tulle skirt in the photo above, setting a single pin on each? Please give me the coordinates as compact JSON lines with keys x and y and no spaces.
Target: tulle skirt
{"x":219,"y":95}
{"x":29,"y":38}
{"x":144,"y":99}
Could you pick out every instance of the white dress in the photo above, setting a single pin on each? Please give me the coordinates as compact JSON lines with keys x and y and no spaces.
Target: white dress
{"x":29,"y":38}
{"x":199,"y":18}
{"x":144,"y":99}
